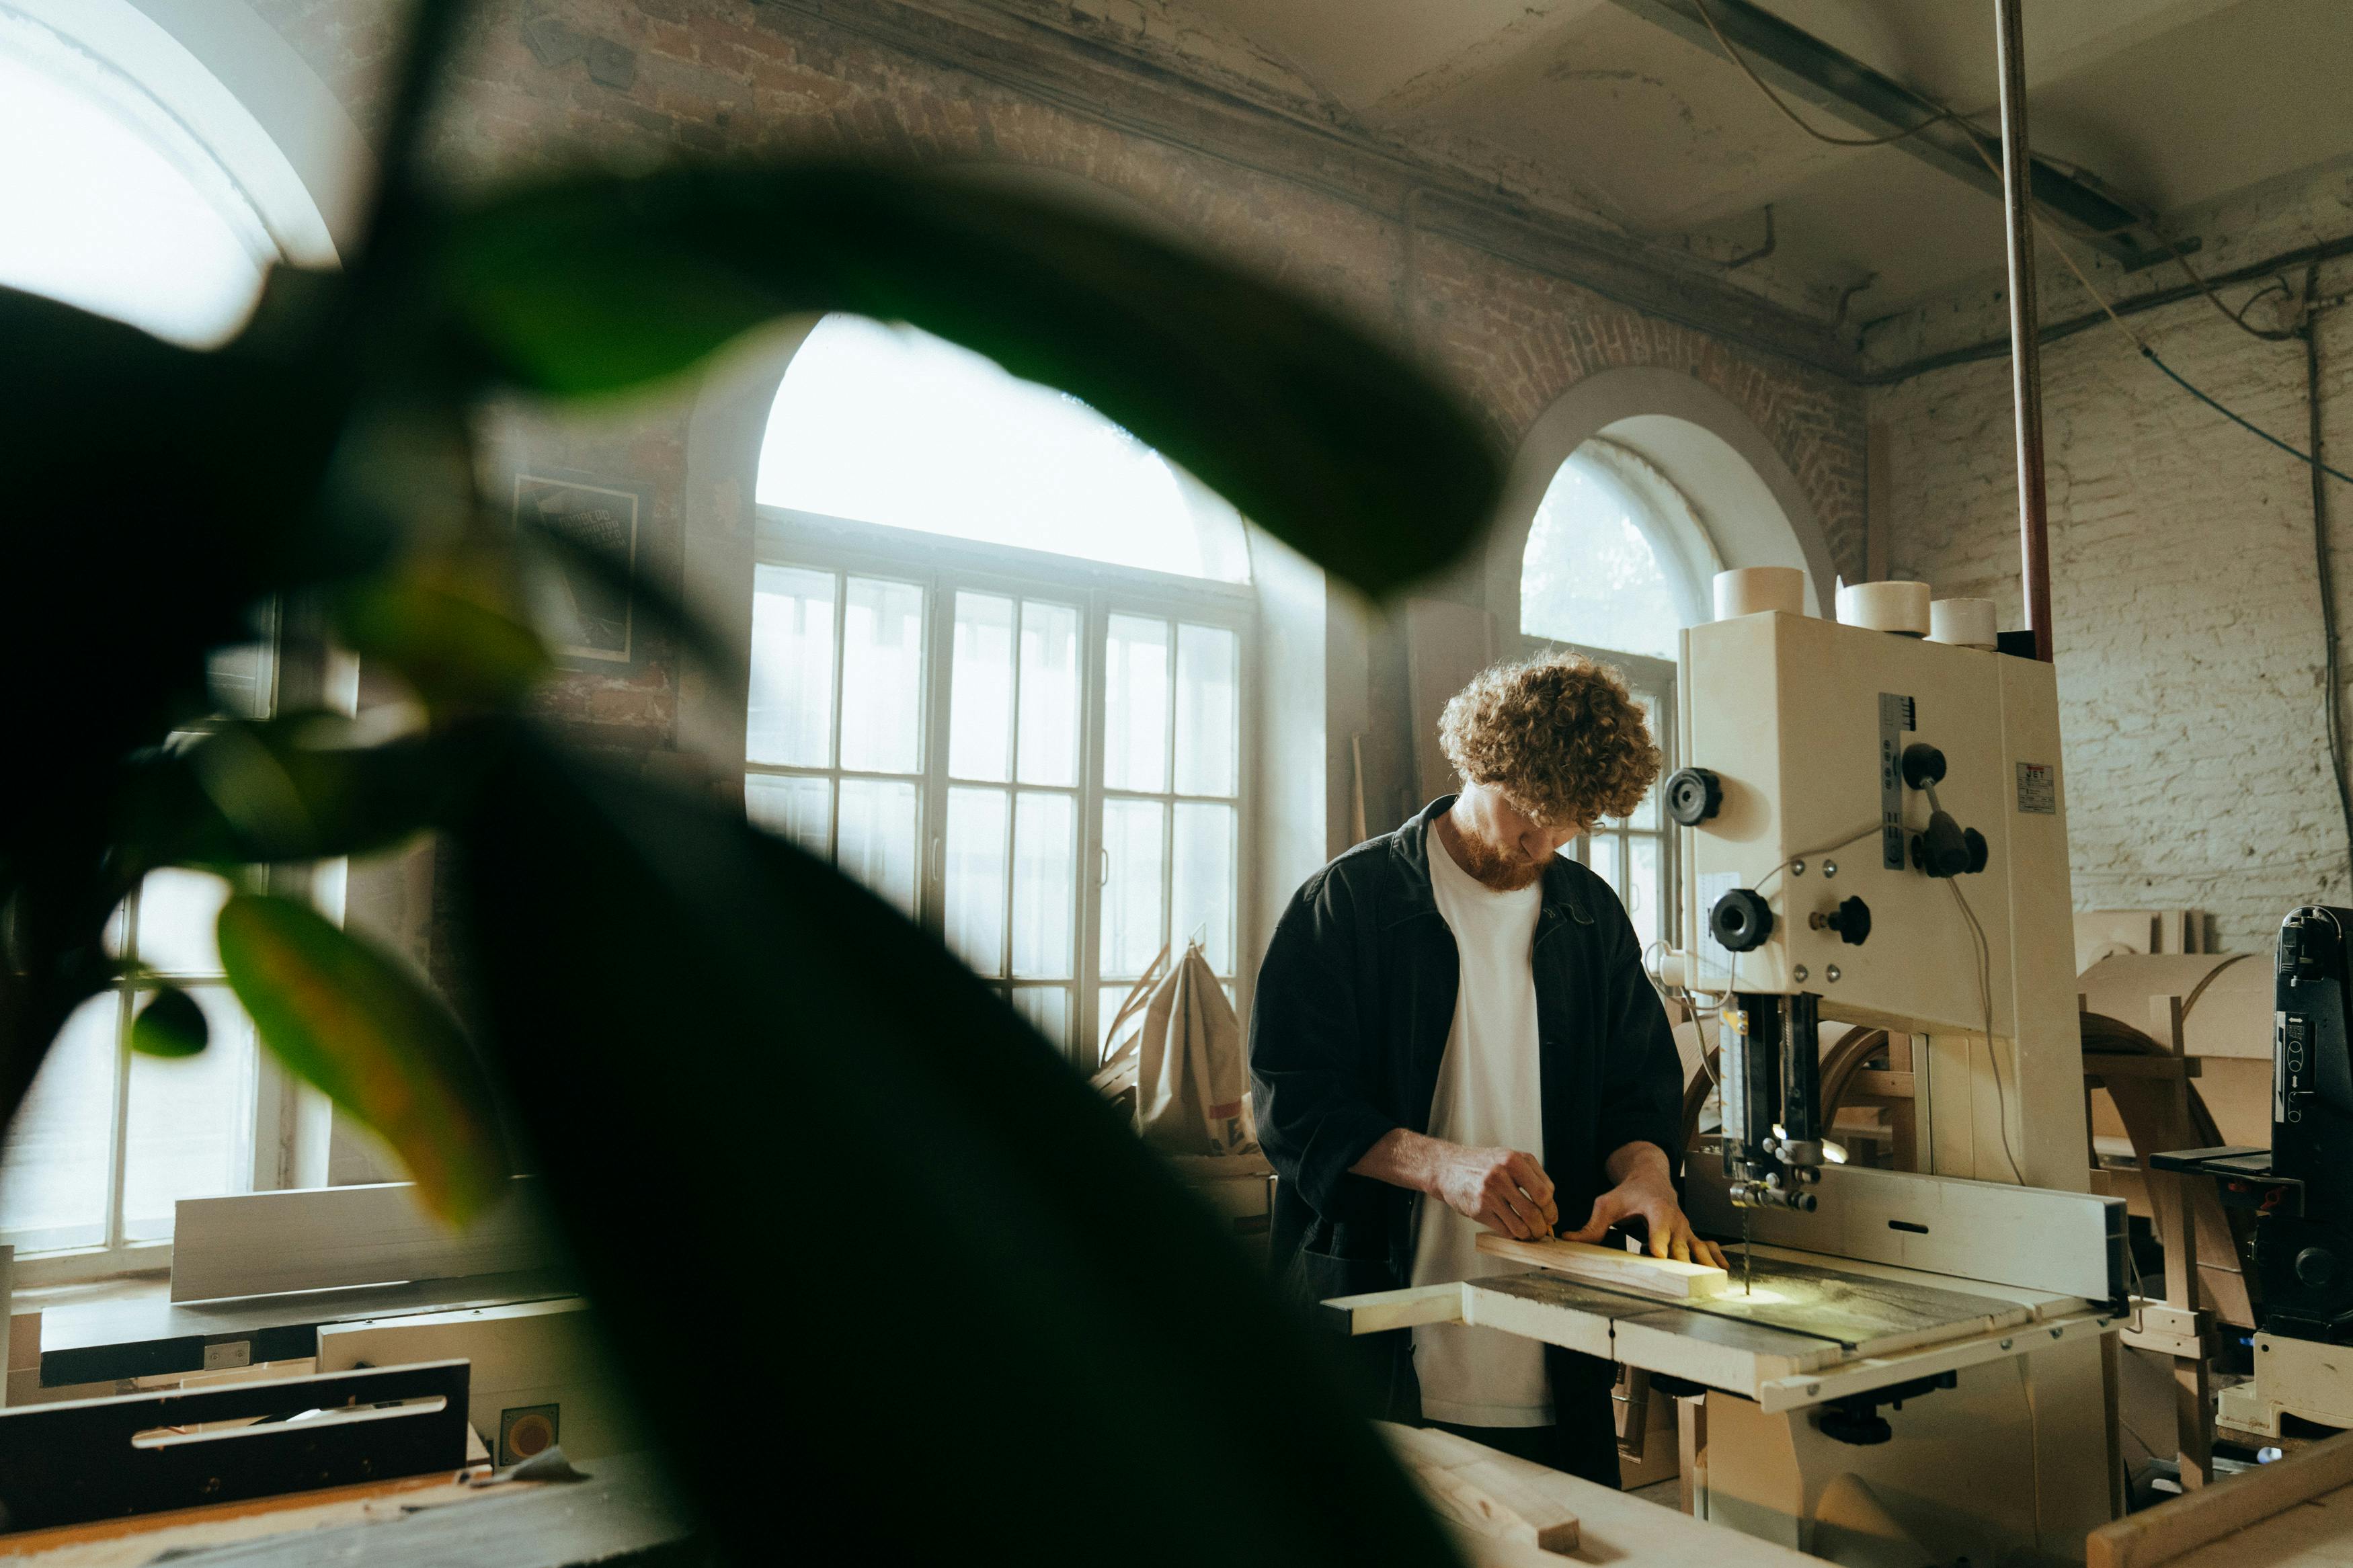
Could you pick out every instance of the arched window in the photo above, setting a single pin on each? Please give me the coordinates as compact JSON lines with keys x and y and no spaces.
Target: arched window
{"x":137,"y":188}
{"x":1615,"y":559}
{"x":1617,"y":564}
{"x":891,"y":426}
{"x":998,"y":647}
{"x":113,"y":203}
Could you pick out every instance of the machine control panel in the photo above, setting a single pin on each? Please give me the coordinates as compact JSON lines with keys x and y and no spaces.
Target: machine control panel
{"x":2291,"y":1075}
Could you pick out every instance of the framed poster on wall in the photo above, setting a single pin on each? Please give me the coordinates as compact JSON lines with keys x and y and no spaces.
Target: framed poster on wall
{"x":590,"y":617}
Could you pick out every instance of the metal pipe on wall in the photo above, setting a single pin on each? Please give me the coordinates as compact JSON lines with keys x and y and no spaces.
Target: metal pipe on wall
{"x":2025,"y":333}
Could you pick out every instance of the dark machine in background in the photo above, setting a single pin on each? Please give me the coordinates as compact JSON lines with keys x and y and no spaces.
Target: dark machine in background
{"x":2300,"y":1189}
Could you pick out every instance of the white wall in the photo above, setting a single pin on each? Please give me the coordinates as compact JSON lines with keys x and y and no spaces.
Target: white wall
{"x":2187,"y":616}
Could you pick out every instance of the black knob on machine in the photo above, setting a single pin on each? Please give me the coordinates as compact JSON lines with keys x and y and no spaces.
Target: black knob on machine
{"x":1741,"y":920}
{"x":1923,"y":764}
{"x":1850,"y":919}
{"x":1860,"y":1424}
{"x":1943,"y":850}
{"x":2316,"y":1266}
{"x":1975,"y":843}
{"x":1693,"y":796}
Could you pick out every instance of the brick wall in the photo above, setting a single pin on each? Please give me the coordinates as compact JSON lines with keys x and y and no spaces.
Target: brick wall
{"x":545,"y":83}
{"x":2186,"y":610}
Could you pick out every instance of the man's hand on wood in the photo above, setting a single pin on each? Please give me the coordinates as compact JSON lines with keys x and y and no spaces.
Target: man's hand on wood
{"x":1502,"y":1189}
{"x":1646,"y":1187}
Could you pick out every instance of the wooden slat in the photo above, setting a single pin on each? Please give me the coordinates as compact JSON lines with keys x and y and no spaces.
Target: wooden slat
{"x":1662,"y":1277}
{"x":1615,"y":1527}
{"x":1377,"y":1312}
{"x":1489,"y":1492}
{"x":317,"y":1239}
{"x":2172,"y":1530}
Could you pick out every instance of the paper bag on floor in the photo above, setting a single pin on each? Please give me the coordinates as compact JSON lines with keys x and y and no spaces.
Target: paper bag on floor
{"x":1175,"y":1047}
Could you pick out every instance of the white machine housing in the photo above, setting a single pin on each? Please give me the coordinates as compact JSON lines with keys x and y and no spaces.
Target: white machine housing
{"x":1804,"y":722}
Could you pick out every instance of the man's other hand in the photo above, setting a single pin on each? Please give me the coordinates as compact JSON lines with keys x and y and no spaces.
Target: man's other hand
{"x":1645,"y":1188}
{"x":1502,"y":1189}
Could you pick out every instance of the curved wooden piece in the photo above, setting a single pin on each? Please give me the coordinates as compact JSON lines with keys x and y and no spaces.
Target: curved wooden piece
{"x":1842,"y":1061}
{"x":2157,"y":1120}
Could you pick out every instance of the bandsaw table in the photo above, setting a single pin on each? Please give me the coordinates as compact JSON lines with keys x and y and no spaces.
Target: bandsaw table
{"x":1827,"y":1321}
{"x":1981,"y":1306}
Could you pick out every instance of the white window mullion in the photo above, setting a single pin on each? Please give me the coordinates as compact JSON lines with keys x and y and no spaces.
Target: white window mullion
{"x":119,"y":1153}
{"x":1093,"y":862}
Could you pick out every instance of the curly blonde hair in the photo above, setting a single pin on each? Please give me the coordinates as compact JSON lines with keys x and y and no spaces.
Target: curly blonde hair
{"x":1557,"y":734}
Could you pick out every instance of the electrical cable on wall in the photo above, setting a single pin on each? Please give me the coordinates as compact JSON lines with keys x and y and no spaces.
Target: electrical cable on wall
{"x":1939,"y":115}
{"x":1985,"y":996}
{"x":1977,"y":140}
{"x":2324,"y":564}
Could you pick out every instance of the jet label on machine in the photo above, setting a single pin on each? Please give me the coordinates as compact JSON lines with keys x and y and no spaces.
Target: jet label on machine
{"x":2038,"y":789}
{"x":1896,"y":716}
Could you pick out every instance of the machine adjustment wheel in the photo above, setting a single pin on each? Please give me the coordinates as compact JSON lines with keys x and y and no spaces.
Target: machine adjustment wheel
{"x":1693,"y":796}
{"x":1741,"y":920}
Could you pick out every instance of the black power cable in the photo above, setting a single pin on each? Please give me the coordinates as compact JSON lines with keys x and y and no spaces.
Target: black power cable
{"x":2323,"y":567}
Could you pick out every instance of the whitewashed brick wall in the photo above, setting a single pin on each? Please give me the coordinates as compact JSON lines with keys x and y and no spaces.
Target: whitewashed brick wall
{"x":2186,"y":610}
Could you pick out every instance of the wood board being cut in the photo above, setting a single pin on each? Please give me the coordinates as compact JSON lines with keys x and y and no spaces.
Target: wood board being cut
{"x":1660,"y":1277}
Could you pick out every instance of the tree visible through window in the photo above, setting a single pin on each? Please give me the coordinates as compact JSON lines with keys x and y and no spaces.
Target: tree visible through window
{"x":998,"y":648}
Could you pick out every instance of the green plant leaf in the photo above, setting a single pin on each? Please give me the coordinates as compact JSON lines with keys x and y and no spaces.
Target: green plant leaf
{"x":353,"y":1022}
{"x":171,"y":1025}
{"x":460,"y":654}
{"x":300,"y":786}
{"x":713,"y":1036}
{"x":1309,"y":425}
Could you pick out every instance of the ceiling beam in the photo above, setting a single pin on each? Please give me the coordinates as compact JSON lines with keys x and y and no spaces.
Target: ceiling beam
{"x":1807,"y":68}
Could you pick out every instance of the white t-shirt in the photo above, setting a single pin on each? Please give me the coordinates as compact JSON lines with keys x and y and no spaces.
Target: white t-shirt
{"x":1490,"y":1093}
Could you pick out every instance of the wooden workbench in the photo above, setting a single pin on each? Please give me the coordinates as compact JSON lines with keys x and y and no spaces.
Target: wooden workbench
{"x":1610,"y":1526}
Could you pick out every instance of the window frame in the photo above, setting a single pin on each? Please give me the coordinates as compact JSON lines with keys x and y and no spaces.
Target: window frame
{"x":943,"y":566}
{"x":273,"y":1114}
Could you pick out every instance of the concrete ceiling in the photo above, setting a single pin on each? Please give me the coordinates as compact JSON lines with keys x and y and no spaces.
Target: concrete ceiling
{"x":2173,"y":104}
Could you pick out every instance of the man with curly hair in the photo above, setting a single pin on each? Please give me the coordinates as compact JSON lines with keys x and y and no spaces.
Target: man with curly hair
{"x":1452,"y":1032}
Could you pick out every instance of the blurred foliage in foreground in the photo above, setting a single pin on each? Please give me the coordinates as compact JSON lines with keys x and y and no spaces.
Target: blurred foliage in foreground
{"x":782,"y":1130}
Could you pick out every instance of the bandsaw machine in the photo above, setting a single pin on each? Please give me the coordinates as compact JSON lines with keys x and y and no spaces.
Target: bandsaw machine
{"x":1871,"y":833}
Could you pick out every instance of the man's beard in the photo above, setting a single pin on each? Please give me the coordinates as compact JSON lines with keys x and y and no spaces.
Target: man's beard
{"x":1496,"y":869}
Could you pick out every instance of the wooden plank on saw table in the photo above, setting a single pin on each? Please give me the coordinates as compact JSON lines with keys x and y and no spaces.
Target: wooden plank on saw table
{"x":1552,"y":1307}
{"x":1377,"y":1312}
{"x":1614,"y":1267}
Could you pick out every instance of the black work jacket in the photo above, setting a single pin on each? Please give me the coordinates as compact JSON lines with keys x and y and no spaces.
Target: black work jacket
{"x":1349,"y":1022}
